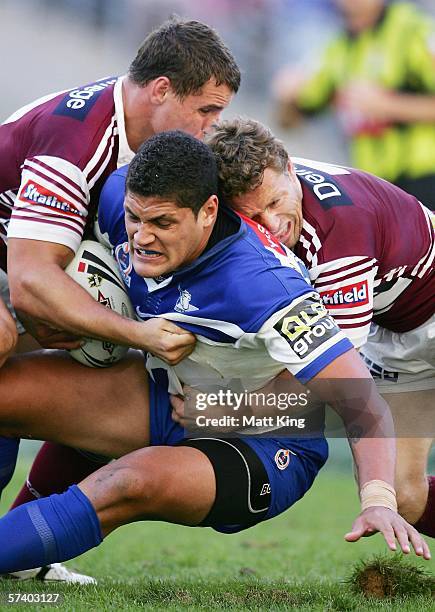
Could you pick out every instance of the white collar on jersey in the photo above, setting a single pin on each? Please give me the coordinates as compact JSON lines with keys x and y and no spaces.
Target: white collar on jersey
{"x":125,"y":154}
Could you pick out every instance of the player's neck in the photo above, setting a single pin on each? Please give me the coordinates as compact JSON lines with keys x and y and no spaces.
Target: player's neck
{"x":137,"y":114}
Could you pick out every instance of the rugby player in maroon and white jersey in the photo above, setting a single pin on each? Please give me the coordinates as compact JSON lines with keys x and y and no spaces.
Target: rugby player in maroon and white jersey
{"x":369,"y":248}
{"x":55,"y":154}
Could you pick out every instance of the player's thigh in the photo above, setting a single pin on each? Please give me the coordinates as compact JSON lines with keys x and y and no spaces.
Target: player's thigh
{"x":413,"y":413}
{"x":174,"y":484}
{"x":49,"y":396}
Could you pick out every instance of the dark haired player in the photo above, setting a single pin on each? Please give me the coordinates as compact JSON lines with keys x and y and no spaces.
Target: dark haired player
{"x":244,"y":297}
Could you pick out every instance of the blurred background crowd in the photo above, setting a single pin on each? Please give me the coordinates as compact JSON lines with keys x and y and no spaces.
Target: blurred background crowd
{"x":49,"y":45}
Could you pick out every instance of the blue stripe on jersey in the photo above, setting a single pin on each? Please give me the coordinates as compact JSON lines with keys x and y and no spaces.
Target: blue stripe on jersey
{"x":325,"y":359}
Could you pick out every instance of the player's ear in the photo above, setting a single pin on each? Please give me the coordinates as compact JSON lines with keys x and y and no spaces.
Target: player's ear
{"x":159,"y":89}
{"x":290,"y":167}
{"x":209,"y":210}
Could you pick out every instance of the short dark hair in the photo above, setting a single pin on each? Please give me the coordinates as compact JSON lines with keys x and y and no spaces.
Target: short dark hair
{"x":176,"y":167}
{"x":189,"y":53}
{"x":244,"y":148}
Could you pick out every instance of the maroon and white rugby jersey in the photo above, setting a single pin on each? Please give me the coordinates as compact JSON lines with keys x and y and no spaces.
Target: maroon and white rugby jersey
{"x":55,"y":154}
{"x":369,"y":248}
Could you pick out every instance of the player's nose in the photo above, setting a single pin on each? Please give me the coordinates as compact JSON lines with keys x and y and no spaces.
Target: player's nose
{"x":144,"y":234}
{"x":270,"y":221}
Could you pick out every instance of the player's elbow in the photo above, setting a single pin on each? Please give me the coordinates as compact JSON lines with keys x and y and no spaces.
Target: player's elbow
{"x":24,"y":288}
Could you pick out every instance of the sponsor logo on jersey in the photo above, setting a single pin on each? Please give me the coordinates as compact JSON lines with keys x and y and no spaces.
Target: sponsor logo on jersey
{"x":282,"y":458}
{"x":356,"y":294}
{"x":265,"y":489}
{"x":32,"y":193}
{"x":307,"y":328}
{"x":324,"y":187}
{"x":78,"y":102}
{"x":183,"y":303}
{"x":125,"y":264}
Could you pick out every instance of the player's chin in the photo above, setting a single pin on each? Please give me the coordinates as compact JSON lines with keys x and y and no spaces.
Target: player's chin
{"x":152,"y":267}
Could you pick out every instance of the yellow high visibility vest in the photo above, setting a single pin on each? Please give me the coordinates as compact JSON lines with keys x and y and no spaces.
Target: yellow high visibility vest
{"x":399,"y":54}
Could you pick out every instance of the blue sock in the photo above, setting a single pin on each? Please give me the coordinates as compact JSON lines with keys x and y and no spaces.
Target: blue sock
{"x":48,"y":530}
{"x":8,"y":459}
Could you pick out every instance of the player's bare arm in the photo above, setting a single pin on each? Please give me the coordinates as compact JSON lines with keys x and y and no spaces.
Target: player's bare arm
{"x":374,"y":456}
{"x":62,"y":305}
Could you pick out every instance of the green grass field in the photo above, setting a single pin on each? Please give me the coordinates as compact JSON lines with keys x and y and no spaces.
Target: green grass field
{"x":296,"y":561}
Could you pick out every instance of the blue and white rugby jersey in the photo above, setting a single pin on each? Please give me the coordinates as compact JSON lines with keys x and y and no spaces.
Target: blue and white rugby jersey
{"x":245,"y":299}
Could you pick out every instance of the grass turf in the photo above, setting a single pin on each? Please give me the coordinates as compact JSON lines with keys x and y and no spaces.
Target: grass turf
{"x":296,"y":561}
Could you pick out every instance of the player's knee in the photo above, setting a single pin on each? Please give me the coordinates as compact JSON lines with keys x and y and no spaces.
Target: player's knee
{"x":8,"y":339}
{"x":138,"y":487}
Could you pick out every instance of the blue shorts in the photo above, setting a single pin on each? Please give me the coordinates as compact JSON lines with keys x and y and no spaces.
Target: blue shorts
{"x":291,"y":463}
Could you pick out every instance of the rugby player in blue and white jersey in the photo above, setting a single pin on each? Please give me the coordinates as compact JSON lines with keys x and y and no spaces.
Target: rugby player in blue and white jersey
{"x":253,"y":315}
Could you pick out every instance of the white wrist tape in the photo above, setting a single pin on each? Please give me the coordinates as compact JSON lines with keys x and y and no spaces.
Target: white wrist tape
{"x":378,"y":493}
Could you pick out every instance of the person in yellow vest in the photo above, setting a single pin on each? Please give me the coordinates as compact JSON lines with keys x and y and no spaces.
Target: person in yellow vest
{"x":379,"y":74}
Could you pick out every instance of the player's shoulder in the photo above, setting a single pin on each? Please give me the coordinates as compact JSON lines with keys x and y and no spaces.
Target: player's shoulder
{"x":69,"y":124}
{"x":261,"y":269}
{"x":332,"y":193}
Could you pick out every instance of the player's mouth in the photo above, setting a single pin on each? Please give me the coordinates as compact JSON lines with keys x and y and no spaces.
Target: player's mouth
{"x":284,"y":234}
{"x":147,"y":254}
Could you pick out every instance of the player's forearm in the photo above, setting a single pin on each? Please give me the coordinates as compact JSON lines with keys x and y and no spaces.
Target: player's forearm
{"x":346,"y":385}
{"x":370,"y":429}
{"x":50,"y":296}
{"x":374,"y":459}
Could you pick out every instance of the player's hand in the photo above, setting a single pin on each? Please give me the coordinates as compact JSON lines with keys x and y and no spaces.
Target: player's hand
{"x":51,"y":338}
{"x":60,"y":340}
{"x":167,"y":341}
{"x":187,"y":419}
{"x":392,"y":526}
{"x":177,"y":403}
